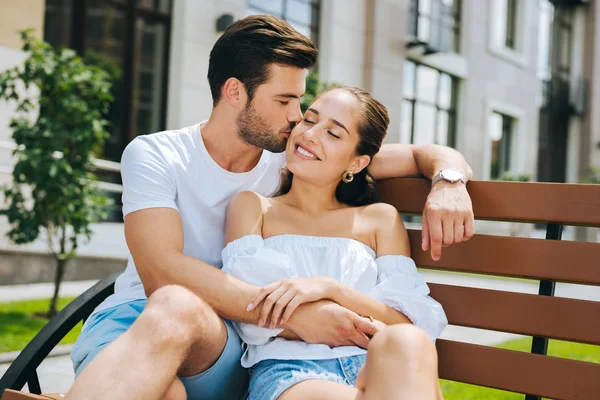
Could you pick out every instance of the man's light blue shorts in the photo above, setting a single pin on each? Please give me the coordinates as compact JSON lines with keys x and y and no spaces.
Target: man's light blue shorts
{"x":226,"y":379}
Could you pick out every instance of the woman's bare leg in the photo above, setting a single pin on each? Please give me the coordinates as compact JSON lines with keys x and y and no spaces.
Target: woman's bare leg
{"x":315,"y":389}
{"x":401,"y":365}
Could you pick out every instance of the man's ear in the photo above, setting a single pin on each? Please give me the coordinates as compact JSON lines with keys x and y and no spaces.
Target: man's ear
{"x":234,"y":92}
{"x":360,"y":163}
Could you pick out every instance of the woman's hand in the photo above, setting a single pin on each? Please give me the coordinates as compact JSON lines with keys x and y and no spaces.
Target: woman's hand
{"x":289,"y":294}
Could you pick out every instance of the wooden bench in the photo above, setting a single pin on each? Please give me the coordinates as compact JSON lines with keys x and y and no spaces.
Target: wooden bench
{"x":541,"y":316}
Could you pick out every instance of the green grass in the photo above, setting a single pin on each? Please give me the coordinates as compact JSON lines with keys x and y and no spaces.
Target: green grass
{"x":556,"y":348}
{"x":19,"y":323}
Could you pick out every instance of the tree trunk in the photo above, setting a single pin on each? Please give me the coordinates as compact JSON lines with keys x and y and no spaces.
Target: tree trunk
{"x":61,"y":265}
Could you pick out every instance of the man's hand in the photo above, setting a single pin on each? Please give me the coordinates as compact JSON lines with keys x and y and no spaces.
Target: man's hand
{"x":328,"y":323}
{"x":288,"y":294}
{"x":447,"y":217}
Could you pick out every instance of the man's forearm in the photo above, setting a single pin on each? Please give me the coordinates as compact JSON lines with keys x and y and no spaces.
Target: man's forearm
{"x":431,"y":158}
{"x":406,"y":160}
{"x":365,"y":305}
{"x":227,"y":295}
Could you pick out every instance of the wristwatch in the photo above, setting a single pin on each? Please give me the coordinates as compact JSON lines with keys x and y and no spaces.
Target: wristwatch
{"x":449,"y":175}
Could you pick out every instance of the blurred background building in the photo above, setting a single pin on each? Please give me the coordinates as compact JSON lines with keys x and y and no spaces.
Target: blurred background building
{"x":514,"y":85}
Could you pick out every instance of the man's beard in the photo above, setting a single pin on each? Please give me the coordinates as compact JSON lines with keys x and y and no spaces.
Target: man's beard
{"x":254,"y":131}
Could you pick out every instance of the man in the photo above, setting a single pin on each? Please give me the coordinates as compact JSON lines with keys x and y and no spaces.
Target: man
{"x":176,"y":187}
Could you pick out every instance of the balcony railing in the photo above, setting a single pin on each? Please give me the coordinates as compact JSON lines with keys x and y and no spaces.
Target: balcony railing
{"x":560,"y":95}
{"x":107,"y":171}
{"x":569,"y":3}
{"x":435,"y":30}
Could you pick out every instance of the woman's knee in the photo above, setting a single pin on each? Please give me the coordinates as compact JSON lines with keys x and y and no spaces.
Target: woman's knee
{"x":406,"y":342}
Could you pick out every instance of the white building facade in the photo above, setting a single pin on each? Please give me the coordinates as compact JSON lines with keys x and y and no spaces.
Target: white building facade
{"x":483,"y":76}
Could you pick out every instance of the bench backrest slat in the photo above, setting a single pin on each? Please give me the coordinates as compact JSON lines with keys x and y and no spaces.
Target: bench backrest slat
{"x":551,"y":377}
{"x":563,"y":261}
{"x":547,"y":261}
{"x":526,"y":314}
{"x":514,"y":201}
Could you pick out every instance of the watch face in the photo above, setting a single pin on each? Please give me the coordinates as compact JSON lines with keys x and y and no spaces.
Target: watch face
{"x":450,"y":174}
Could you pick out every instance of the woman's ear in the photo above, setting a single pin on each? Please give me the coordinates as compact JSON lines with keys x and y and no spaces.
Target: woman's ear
{"x":359,"y":163}
{"x":234,"y":92}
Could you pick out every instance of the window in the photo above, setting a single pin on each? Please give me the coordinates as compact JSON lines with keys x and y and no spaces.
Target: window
{"x":303,"y":15}
{"x":429,"y":106}
{"x":501,"y":134}
{"x":130,"y":40}
{"x":507,"y":36}
{"x":436,"y":22}
{"x":511,"y":24}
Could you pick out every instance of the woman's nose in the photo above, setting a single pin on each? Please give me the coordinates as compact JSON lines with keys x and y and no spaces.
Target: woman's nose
{"x":311,"y":135}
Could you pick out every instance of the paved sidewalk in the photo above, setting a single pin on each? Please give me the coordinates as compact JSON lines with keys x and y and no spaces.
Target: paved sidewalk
{"x":42,"y":290}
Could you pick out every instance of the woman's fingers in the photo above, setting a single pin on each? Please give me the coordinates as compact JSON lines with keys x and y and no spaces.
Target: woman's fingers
{"x":262,"y":293}
{"x":279,"y":306}
{"x":291,"y":307}
{"x":268,"y":305}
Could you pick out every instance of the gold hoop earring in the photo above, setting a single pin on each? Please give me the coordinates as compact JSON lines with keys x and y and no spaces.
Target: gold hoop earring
{"x":348,"y":176}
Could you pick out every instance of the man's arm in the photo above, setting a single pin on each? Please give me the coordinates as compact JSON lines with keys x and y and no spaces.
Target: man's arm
{"x":406,"y":160}
{"x":155,"y":239}
{"x":448,"y":214}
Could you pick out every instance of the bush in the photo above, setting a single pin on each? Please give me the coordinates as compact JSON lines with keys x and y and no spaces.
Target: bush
{"x":53,"y":185}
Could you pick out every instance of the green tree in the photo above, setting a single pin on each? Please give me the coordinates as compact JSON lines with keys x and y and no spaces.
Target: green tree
{"x":593,"y":175}
{"x":58,"y":125}
{"x":313,"y":88}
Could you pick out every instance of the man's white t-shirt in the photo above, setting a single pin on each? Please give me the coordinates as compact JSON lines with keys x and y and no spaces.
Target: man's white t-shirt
{"x":173,"y":169}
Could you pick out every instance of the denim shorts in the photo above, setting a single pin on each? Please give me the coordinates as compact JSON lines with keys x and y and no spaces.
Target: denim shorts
{"x":226,"y":379}
{"x":270,"y":378}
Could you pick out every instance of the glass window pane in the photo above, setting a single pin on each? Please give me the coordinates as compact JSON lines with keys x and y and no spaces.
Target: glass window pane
{"x":445,"y":92}
{"x":424,"y":124}
{"x":155,"y":5}
{"x":564,"y":46}
{"x":408,"y":85}
{"x":424,"y":29}
{"x":57,"y":26}
{"x":272,"y":7}
{"x":149,"y":74}
{"x":442,"y":137}
{"x":425,"y":7}
{"x":500,"y":134}
{"x":299,"y":11}
{"x":406,"y":122}
{"x":105,"y":46}
{"x":427,"y":81}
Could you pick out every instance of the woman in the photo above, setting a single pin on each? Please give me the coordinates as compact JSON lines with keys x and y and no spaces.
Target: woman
{"x":322,"y":238}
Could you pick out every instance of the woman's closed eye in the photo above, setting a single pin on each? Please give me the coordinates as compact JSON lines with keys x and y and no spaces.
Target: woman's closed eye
{"x":308,"y":122}
{"x":333,"y":135}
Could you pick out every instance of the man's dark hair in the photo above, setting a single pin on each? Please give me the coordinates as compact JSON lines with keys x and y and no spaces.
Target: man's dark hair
{"x":250,"y":45}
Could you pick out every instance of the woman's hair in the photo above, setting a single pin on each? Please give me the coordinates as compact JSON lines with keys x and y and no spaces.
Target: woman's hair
{"x":372,"y":127}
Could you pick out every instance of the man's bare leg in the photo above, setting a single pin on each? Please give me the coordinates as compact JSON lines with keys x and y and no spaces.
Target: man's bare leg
{"x":401,"y":365}
{"x":176,"y":332}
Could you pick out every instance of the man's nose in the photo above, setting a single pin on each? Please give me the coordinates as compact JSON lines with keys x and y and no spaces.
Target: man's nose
{"x":295,"y":114}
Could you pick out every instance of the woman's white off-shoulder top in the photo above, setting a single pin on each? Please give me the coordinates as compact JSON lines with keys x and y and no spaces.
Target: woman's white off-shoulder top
{"x":393,"y":280}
